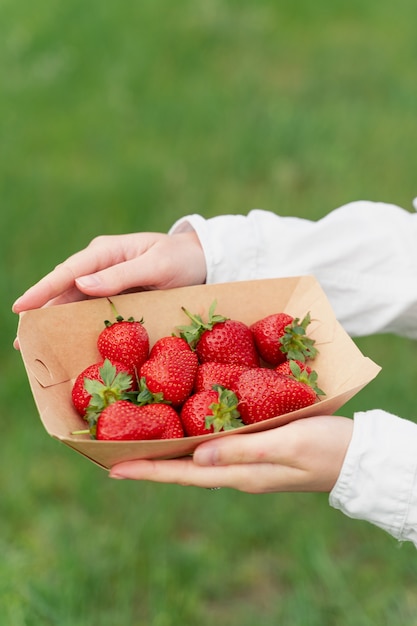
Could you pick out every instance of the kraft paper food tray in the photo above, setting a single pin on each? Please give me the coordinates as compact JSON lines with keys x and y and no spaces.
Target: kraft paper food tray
{"x":58,"y":342}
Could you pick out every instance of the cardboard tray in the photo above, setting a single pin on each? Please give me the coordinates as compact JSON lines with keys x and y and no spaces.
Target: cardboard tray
{"x":58,"y":342}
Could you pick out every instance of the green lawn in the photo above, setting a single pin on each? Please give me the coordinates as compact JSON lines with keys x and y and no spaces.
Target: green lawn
{"x":124,"y":116}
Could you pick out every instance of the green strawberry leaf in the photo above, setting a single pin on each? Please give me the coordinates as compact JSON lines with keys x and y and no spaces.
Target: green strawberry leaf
{"x":192,"y":332}
{"x":304,"y":377}
{"x":225,"y":415}
{"x":115,"y":386}
{"x":145,"y":396}
{"x":295,"y":343}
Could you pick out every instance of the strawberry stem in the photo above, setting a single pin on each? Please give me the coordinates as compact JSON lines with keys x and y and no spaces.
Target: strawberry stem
{"x":117,"y":316}
{"x":192,"y":332}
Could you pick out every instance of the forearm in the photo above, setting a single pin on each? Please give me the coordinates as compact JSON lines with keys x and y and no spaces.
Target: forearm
{"x":362,"y":254}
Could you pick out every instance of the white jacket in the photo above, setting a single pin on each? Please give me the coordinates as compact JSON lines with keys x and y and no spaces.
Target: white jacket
{"x":363,"y":254}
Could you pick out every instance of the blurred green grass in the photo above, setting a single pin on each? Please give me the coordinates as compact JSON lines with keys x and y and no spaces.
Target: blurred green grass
{"x":117,"y":117}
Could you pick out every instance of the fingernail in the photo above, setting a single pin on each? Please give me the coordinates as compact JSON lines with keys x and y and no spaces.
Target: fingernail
{"x":15,"y":306}
{"x":116,"y":475}
{"x":206,"y":455}
{"x":88,"y":282}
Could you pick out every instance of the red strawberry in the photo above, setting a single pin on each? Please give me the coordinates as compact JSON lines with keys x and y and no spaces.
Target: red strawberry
{"x":263,"y":394}
{"x":210,"y":412}
{"x":220,"y":339}
{"x":213,"y":373}
{"x":280,"y":336}
{"x":125,"y":421}
{"x":100,"y":384}
{"x":173,"y":427}
{"x":286,"y":368}
{"x":300,"y":372}
{"x":170,"y":369}
{"x":125,"y":341}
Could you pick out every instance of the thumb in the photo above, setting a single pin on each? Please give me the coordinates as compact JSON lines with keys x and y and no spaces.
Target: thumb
{"x":115,"y":279}
{"x":231,"y":450}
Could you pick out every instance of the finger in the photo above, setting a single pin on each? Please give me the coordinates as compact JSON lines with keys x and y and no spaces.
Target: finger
{"x":57,"y":281}
{"x":70,"y":295}
{"x":180,"y":471}
{"x":186,"y":473}
{"x":97,"y":270}
{"x":132,"y":274}
{"x":162,"y":265}
{"x":271,"y":446}
{"x":58,"y":287}
{"x":308,"y":453}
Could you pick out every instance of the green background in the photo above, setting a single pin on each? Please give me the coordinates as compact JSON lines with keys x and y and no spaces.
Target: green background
{"x":122,"y":116}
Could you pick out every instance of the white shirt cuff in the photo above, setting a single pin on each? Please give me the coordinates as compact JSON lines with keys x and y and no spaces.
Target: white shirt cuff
{"x":378,"y":480}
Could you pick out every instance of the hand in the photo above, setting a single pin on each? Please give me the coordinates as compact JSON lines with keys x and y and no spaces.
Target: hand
{"x":113,"y":264}
{"x":305,"y":455}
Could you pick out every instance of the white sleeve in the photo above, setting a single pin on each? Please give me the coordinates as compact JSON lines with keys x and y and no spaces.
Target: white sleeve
{"x":363,"y":255}
{"x":378,"y":480}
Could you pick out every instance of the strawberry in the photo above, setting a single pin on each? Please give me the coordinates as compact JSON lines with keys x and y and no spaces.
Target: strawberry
{"x":100,"y":384}
{"x":170,"y":369}
{"x":263,"y":394}
{"x":280,"y":336}
{"x":297,"y":370}
{"x":286,"y":368}
{"x":213,"y":373}
{"x":173,"y":427}
{"x":221,"y":339}
{"x":210,"y":411}
{"x":124,"y":341}
{"x":124,"y":420}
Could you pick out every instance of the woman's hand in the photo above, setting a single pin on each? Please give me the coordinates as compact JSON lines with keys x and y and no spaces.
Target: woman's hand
{"x":305,"y":455}
{"x":114,"y":264}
